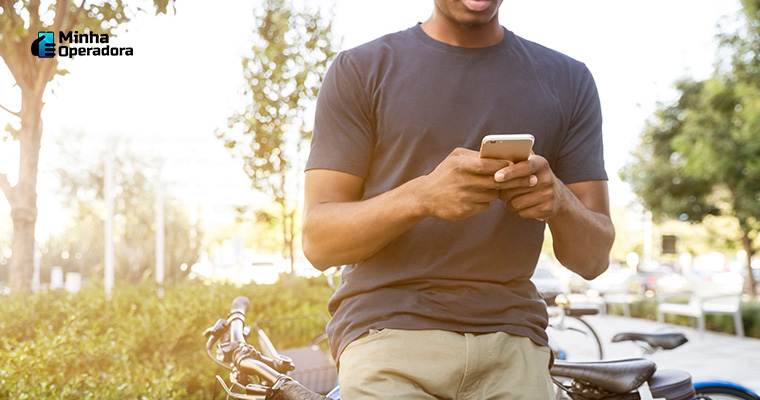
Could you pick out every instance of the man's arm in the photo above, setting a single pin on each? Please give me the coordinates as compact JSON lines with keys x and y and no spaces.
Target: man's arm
{"x":582,"y":229}
{"x":340,"y":228}
{"x":578,"y":214}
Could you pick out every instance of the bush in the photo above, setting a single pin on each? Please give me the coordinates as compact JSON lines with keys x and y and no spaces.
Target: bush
{"x":135,"y":345}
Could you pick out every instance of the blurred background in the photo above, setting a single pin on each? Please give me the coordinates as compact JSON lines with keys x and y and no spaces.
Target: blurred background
{"x":177,"y":170}
{"x":172,"y":123}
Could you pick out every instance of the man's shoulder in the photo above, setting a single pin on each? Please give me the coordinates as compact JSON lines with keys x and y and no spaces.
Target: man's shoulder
{"x":392,"y":42}
{"x":549,"y":56}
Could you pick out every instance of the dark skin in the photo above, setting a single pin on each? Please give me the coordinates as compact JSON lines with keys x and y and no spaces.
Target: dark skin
{"x":341,"y":228}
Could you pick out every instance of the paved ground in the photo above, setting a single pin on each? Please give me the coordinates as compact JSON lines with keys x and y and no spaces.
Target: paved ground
{"x":706,"y":356}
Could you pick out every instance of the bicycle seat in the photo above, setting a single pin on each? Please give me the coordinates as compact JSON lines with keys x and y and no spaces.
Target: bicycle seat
{"x":615,"y":376}
{"x":666,"y":340}
{"x":580,"y":311}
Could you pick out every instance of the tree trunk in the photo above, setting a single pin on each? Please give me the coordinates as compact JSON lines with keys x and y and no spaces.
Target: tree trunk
{"x":23,"y":198}
{"x":750,"y":282}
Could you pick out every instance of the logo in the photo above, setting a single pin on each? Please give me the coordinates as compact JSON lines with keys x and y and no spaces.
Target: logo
{"x":44,"y":46}
{"x":87,"y":44}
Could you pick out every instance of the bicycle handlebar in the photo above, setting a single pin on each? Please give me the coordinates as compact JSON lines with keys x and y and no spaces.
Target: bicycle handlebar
{"x":292,"y":390}
{"x":248,"y":361}
{"x":237,"y":319}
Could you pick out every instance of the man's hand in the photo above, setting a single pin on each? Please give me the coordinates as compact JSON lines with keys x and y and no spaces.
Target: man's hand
{"x":461,"y":186}
{"x":531,"y":189}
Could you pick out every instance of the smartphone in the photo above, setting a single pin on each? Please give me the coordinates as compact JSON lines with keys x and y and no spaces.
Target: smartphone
{"x":514,"y":147}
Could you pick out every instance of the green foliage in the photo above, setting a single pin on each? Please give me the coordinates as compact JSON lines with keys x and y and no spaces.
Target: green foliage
{"x":751,"y":318}
{"x":701,"y":155}
{"x":290,"y":54}
{"x":135,"y":345}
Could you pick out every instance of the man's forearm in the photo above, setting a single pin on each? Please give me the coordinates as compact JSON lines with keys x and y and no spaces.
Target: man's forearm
{"x":582,"y":237}
{"x":338,"y":233}
{"x":339,"y":229}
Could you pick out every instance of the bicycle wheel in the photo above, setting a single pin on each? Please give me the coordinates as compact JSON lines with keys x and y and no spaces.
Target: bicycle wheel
{"x":575,"y":340}
{"x":723,"y":393}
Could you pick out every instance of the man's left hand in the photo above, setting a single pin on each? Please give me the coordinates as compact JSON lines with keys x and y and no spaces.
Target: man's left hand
{"x":531,"y":189}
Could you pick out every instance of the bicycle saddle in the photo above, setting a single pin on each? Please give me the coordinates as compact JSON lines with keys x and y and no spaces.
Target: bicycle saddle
{"x":666,"y":340}
{"x":616,"y":376}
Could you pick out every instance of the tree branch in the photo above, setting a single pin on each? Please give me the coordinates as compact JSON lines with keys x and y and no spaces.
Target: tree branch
{"x":6,"y":188}
{"x":46,"y":68}
{"x":34,"y":16}
{"x":16,"y":113}
{"x":75,"y":18}
{"x":61,"y":15}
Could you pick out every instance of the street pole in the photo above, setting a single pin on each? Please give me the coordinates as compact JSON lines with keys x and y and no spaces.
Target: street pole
{"x":160,"y":228}
{"x":109,"y":200}
{"x":648,"y":232}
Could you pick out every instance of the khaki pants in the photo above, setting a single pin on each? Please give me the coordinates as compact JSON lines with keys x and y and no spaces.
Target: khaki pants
{"x":434,"y":364}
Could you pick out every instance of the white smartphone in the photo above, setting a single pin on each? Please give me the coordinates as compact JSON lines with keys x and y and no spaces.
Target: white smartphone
{"x":514,"y":147}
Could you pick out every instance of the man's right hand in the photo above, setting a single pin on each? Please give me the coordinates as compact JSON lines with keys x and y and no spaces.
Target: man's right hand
{"x":461,"y":186}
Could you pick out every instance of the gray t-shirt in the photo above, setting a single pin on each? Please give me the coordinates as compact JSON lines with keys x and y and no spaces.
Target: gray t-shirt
{"x":390,"y":111}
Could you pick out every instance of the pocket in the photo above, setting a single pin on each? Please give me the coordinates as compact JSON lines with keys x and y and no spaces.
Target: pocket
{"x":369,"y":337}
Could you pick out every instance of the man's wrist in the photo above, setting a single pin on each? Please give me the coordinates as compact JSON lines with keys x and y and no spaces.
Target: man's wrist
{"x":418,"y":202}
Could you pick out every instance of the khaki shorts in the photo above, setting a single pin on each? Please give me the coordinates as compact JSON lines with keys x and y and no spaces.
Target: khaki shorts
{"x":434,"y":364}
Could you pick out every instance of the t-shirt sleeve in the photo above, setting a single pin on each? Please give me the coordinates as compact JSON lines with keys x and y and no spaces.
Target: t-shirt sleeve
{"x":581,"y":157}
{"x":343,"y":136}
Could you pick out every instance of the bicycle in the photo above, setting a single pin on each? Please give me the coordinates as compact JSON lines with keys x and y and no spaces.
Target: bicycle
{"x":245,"y":363}
{"x":649,"y":343}
{"x":262,"y":375}
{"x":570,"y":336}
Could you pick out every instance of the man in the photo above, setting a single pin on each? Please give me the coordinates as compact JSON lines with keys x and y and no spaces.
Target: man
{"x":435,"y":301}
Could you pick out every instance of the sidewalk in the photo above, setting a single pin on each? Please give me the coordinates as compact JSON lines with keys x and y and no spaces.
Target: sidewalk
{"x":707,"y":356}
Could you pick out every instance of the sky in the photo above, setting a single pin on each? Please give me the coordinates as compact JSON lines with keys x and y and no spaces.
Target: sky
{"x":185,"y":79}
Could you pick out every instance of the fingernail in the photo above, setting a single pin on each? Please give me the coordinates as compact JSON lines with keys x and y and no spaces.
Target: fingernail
{"x":499,"y":176}
{"x":533,"y":180}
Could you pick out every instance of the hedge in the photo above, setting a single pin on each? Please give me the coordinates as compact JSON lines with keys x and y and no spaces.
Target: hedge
{"x":135,"y":345}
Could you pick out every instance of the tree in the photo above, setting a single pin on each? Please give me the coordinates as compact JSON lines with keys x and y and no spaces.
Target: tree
{"x":20,"y":23}
{"x":79,"y":247}
{"x":289,"y":56}
{"x":700,"y":156}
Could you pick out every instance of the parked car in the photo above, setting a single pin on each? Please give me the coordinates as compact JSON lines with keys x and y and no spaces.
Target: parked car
{"x":614,"y":279}
{"x":713,"y":282}
{"x":547,"y":284}
{"x":661,"y":279}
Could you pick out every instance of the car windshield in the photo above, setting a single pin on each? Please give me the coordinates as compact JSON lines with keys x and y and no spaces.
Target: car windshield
{"x":542,"y":273}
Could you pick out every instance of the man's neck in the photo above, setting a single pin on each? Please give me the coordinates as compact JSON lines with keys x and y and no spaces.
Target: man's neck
{"x":450,"y":32}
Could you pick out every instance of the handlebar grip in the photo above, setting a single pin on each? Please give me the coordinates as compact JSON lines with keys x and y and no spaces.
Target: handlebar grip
{"x":292,"y":390}
{"x":240,"y":304}
{"x":237,"y":314}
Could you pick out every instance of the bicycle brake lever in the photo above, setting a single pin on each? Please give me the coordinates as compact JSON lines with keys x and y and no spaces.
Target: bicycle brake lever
{"x":218,"y":329}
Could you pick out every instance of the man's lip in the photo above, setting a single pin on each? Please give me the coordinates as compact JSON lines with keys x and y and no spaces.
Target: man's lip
{"x":476,"y":5}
